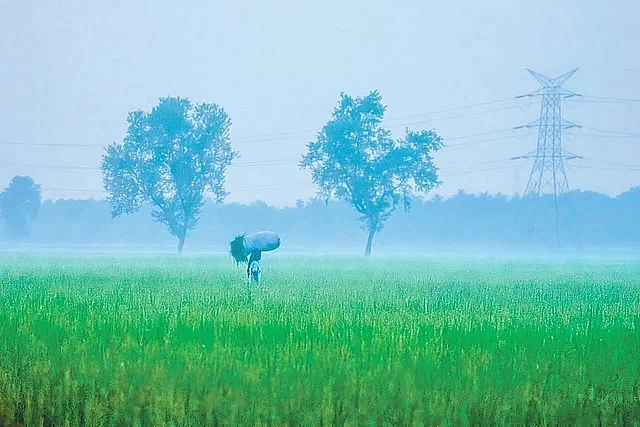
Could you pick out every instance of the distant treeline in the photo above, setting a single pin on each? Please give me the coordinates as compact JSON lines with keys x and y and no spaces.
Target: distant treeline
{"x":462,"y":222}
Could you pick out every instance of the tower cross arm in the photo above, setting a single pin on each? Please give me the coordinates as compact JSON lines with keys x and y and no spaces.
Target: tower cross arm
{"x":568,"y":155}
{"x":566,"y":124}
{"x":529,"y":155}
{"x":566,"y":93}
{"x":533,"y":124}
{"x":531,"y":94}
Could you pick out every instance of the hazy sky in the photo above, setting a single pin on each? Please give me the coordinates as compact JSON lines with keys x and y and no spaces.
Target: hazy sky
{"x":70,"y":71}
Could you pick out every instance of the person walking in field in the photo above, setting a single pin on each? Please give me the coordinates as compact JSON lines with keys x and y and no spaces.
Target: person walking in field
{"x":252,"y":246}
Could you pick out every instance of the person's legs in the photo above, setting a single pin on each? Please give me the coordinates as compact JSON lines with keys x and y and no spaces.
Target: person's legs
{"x":255,"y":256}
{"x":255,"y":272}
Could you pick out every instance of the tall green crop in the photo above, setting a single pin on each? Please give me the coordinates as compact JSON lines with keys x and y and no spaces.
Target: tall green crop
{"x":149,"y":341}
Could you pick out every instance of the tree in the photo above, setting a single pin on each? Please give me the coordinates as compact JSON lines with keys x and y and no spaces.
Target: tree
{"x":170,"y":158}
{"x":356,"y":160}
{"x":19,"y":206}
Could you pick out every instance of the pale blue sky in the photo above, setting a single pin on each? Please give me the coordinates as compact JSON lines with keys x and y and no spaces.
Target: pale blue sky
{"x":71,"y":70}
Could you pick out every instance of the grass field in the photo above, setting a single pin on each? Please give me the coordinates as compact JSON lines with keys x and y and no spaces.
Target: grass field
{"x":149,"y":341}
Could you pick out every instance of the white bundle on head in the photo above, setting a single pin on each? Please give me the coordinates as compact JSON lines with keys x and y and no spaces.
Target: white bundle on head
{"x":245,"y":244}
{"x":262,"y":241}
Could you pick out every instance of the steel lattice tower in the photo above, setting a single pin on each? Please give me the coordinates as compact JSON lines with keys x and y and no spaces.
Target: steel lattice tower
{"x":547,"y":188}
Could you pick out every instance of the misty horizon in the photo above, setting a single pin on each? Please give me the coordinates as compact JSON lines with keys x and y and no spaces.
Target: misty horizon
{"x":74,"y":70}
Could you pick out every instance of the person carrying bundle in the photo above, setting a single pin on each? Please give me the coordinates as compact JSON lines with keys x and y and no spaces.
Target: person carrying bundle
{"x":252,"y":246}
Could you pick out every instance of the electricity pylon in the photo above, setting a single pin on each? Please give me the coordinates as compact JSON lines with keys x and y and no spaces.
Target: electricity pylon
{"x":548,"y":177}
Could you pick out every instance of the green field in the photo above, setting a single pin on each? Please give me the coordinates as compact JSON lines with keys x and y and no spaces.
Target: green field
{"x":167,"y":341}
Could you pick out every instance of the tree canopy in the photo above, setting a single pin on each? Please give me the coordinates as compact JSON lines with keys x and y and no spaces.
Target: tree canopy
{"x":356,"y":160}
{"x":19,"y":206}
{"x":169,"y":159}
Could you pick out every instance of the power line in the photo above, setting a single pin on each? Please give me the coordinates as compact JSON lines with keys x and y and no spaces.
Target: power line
{"x":427,"y":113}
{"x":594,"y":102}
{"x":483,"y":141}
{"x":296,"y":160}
{"x":306,"y":186}
{"x":49,"y":166}
{"x":444,"y":110}
{"x":488,"y":162}
{"x":481,"y":170}
{"x":248,"y":164}
{"x":447,"y":110}
{"x":269,"y":137}
{"x":291,"y":134}
{"x":609,"y":137}
{"x":49,"y":144}
{"x":604,"y":168}
{"x":286,"y":135}
{"x":614,"y":163}
{"x":460,"y":116}
{"x":586,"y":98}
{"x":612,"y":132}
{"x":479,"y":134}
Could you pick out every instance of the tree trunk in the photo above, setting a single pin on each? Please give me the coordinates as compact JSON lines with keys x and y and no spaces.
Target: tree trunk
{"x":181,"y":238}
{"x":372,"y":232}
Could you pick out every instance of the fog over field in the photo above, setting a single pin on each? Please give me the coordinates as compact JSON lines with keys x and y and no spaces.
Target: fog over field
{"x":74,"y":70}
